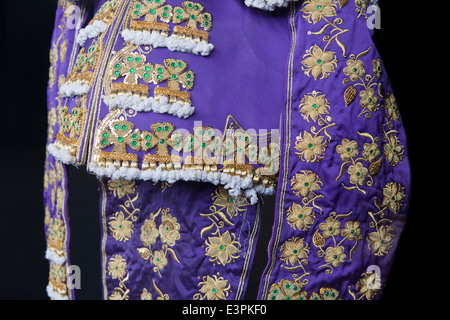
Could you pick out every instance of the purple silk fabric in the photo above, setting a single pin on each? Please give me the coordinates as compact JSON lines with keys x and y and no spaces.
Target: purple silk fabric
{"x":311,"y":70}
{"x":182,"y":241}
{"x":335,"y":263}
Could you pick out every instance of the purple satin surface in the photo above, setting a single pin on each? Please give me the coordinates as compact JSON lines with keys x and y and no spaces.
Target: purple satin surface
{"x":196,"y":214}
{"x":350,"y":277}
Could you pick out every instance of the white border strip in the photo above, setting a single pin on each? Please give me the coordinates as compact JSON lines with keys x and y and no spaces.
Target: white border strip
{"x":54,"y":257}
{"x":62,"y":155}
{"x":267,"y":4}
{"x":55,"y":295}
{"x":91,"y":31}
{"x":156,"y":40}
{"x":69,"y":90}
{"x":235,"y":184}
{"x":148,"y":105}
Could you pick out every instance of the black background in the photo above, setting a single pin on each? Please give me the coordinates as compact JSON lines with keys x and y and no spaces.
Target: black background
{"x":25,"y":40}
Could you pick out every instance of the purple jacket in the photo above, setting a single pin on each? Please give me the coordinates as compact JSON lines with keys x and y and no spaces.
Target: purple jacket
{"x":189,"y":113}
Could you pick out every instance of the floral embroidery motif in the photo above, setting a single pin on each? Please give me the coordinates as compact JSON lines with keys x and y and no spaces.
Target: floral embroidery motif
{"x":318,"y":10}
{"x":294,"y":252}
{"x":367,"y":287}
{"x":319,"y":63}
{"x":120,"y":226}
{"x":223,"y":247}
{"x":304,"y":184}
{"x":187,"y":38}
{"x":117,"y":269}
{"x":146,"y":295}
{"x":349,"y":152}
{"x":213,"y":288}
{"x":335,"y":255}
{"x":381,"y":241}
{"x":311,"y":147}
{"x":357,"y":73}
{"x":167,"y":231}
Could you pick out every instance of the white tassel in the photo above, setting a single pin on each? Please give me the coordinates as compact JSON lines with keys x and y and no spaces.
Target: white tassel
{"x":234,"y":184}
{"x":267,"y":4}
{"x":62,"y":155}
{"x":149,"y":105}
{"x":156,"y":40}
{"x":69,"y":90}
{"x":91,"y":31}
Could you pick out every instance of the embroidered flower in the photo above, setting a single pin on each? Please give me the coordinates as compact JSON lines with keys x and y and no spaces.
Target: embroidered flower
{"x":362,"y":4}
{"x":121,"y":187}
{"x":393,"y":151}
{"x":294,"y":250}
{"x":222,"y":249}
{"x":305,"y":182}
{"x":355,"y":69}
{"x":335,"y":255}
{"x":358,"y":173}
{"x":299,"y":217}
{"x":369,"y":100}
{"x":145,"y":295}
{"x":376,"y":68}
{"x":315,"y":10}
{"x":329,"y":294}
{"x":371,"y":151}
{"x":310,"y":148}
{"x":120,"y":227}
{"x":351,"y":230}
{"x":348,"y":149}
{"x":115,"y":296}
{"x":391,"y":107}
{"x":394,"y":194}
{"x":286,"y":290}
{"x":214,"y":288}
{"x":51,"y":121}
{"x":330,"y":227}
{"x":232,"y":204}
{"x":319,"y":63}
{"x":168,"y":229}
{"x":117,"y":266}
{"x":380,"y":242}
{"x":149,"y":232}
{"x":159,"y":259}
{"x":367,"y":287}
{"x":313,"y":105}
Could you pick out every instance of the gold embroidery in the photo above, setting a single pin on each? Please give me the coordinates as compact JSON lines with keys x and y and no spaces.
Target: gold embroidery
{"x":381,"y":241}
{"x":318,"y":10}
{"x":57,"y":278}
{"x":120,"y":226}
{"x":168,"y":232}
{"x":335,"y":255}
{"x":152,"y":10}
{"x":175,"y":73}
{"x":356,"y":72}
{"x":194,"y":15}
{"x":213,"y":288}
{"x":223,"y":248}
{"x":145,"y":295}
{"x":311,"y":147}
{"x":319,"y":63}
{"x":368,"y":287}
{"x":349,"y":152}
{"x":117,"y":269}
